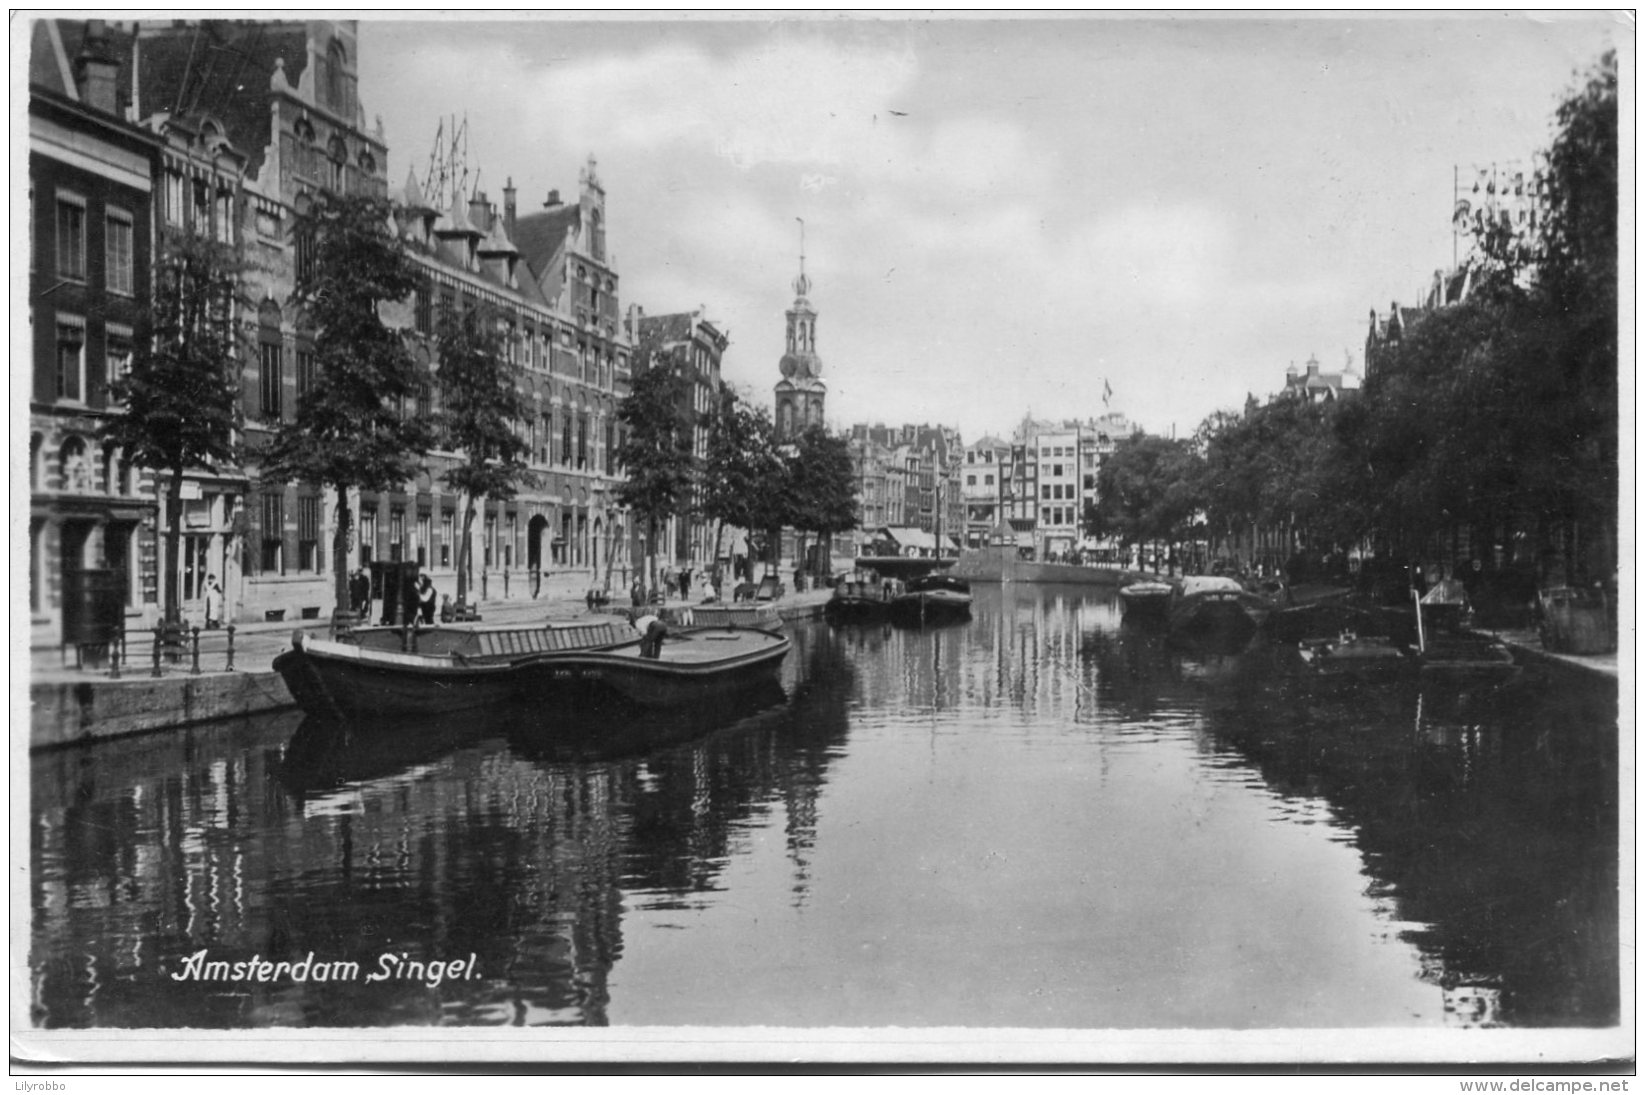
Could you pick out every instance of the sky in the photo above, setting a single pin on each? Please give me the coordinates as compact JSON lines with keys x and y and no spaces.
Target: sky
{"x":1004,"y":216}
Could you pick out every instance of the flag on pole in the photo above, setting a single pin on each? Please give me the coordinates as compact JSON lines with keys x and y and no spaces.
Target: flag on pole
{"x":1107,"y":391}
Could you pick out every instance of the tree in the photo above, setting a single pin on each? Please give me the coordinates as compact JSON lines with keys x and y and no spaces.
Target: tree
{"x":351,"y":429}
{"x":182,"y":395}
{"x":480,"y":406}
{"x":744,"y":474}
{"x":822,"y":496}
{"x":655,"y":453}
{"x":1148,"y":489}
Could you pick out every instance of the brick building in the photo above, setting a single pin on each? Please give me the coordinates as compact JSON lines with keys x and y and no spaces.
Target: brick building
{"x":91,"y":175}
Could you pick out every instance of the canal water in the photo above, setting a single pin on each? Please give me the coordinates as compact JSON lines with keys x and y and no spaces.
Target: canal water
{"x":1043,"y":818}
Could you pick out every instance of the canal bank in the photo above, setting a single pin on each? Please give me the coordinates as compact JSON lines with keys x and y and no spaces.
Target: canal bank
{"x":70,"y":705}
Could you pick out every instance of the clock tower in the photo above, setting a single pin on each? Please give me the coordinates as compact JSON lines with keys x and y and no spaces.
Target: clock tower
{"x":801,"y":391}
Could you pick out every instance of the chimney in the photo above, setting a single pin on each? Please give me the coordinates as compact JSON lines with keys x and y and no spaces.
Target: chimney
{"x":508,"y":207}
{"x":96,"y":71}
{"x":479,"y":211}
{"x":553,"y":201}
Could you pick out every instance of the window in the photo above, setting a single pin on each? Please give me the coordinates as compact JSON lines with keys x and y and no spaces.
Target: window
{"x":225,"y":216}
{"x":308,"y":534}
{"x":425,"y":540}
{"x":424,"y":306}
{"x":307,"y":253}
{"x":337,"y":164}
{"x":71,"y":359}
{"x":117,"y":354}
{"x":368,"y":535}
{"x":274,"y":520}
{"x":117,"y":249}
{"x":988,"y":480}
{"x":396,"y":534}
{"x":582,"y":441}
{"x":447,"y":533}
{"x":175,"y":207}
{"x":305,"y":372}
{"x":425,"y":401}
{"x":971,"y":480}
{"x":270,"y":376}
{"x":71,"y":237}
{"x":566,"y":438}
{"x":1045,"y":492}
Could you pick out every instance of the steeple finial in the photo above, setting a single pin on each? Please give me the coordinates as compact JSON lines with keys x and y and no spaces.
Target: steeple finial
{"x":802,"y":284}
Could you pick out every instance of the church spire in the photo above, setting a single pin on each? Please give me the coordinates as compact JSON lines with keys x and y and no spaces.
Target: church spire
{"x":801,"y":391}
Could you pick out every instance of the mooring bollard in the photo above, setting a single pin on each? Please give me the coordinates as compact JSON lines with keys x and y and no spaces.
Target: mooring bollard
{"x":230,"y":665}
{"x":156,"y":650}
{"x":196,"y":637}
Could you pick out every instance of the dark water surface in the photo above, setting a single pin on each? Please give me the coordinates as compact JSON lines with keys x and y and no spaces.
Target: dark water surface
{"x":1044,"y":818}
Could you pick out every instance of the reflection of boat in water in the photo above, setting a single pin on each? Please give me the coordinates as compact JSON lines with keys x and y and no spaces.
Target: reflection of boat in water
{"x":671,"y":667}
{"x":1147,"y":598}
{"x":1207,"y":604}
{"x":326,"y":754}
{"x":615,"y":729}
{"x":932,"y":598}
{"x":389,"y":672}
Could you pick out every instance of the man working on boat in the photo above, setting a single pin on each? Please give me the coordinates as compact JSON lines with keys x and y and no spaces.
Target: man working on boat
{"x":652,"y":632}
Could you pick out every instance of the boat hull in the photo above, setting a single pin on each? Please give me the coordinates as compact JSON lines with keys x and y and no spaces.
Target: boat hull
{"x":860,"y":610}
{"x":386,"y":673}
{"x":332,"y":687}
{"x":929,"y":607}
{"x":1146,"y":600}
{"x":674,"y":678}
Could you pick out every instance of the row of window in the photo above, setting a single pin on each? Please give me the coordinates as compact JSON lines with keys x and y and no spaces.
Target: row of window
{"x":118,"y":263}
{"x":1057,"y":515}
{"x":70,"y":356}
{"x":522,"y":346}
{"x":425,"y":550}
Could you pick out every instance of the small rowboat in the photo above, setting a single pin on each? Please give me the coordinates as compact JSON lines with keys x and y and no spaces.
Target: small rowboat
{"x":397,"y":672}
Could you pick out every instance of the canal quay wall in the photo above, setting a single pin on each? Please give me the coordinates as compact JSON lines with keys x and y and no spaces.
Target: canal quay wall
{"x":69,"y":706}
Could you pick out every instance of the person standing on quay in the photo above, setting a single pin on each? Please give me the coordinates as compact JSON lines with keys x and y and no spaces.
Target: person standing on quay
{"x":214,"y":603}
{"x":425,"y":597}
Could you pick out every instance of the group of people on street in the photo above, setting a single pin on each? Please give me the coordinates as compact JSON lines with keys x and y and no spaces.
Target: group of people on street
{"x":417,"y":599}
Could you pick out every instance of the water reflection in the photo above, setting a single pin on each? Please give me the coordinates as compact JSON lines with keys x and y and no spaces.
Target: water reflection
{"x":1046,"y":817}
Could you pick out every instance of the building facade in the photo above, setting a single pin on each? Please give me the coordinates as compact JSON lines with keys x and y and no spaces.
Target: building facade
{"x":91,"y":180}
{"x":987,"y":461}
{"x":692,"y":347}
{"x":290,"y":104}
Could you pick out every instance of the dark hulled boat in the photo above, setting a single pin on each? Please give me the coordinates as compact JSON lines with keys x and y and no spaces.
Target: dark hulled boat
{"x":665,"y":669}
{"x":860,"y":599}
{"x":1147,"y":598}
{"x":932,"y":598}
{"x":1216,"y":605}
{"x":393,"y":672}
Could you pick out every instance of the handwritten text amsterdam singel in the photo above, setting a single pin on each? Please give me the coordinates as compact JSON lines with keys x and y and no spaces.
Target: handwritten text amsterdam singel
{"x":390,"y":966}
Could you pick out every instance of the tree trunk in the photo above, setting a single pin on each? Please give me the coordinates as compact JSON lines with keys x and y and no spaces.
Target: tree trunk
{"x":174,"y":540}
{"x":650,"y":556}
{"x":463,"y":551}
{"x":339,"y":553}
